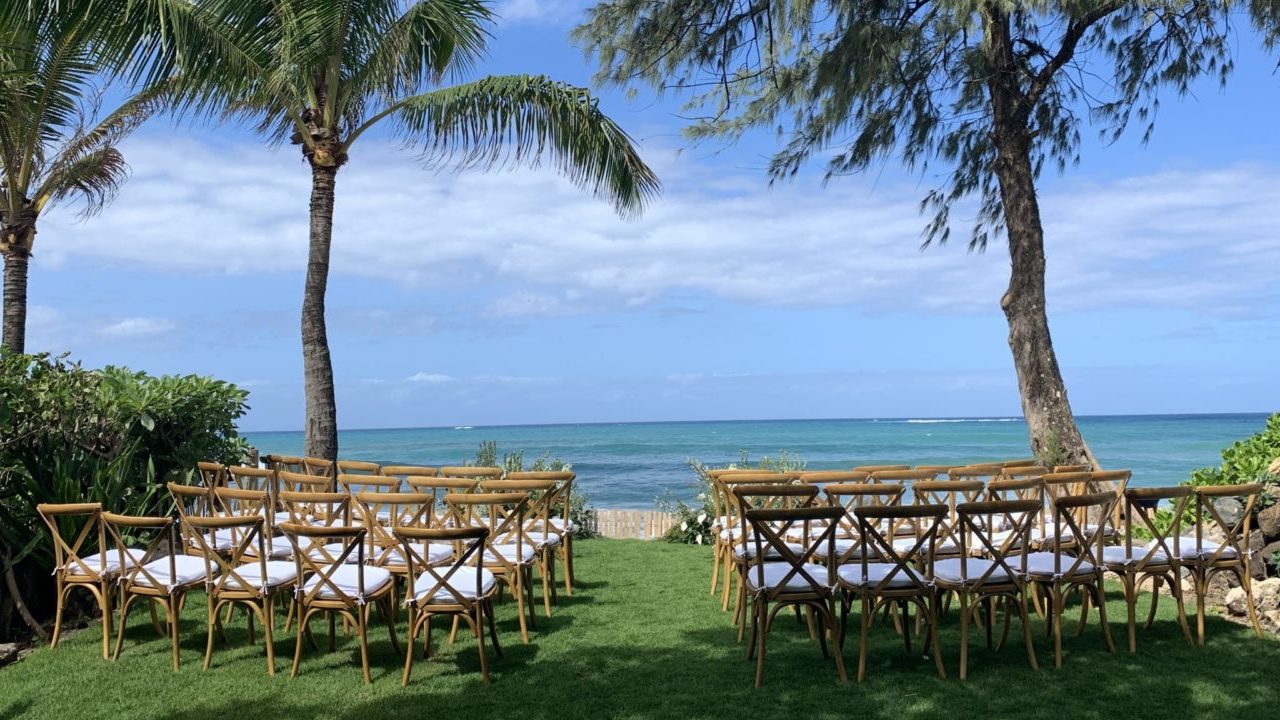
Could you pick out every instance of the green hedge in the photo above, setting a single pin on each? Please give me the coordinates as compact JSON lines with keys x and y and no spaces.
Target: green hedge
{"x":113,"y":436}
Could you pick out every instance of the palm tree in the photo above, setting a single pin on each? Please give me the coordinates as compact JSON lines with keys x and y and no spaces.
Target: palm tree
{"x":327,"y":71}
{"x":55,"y":145}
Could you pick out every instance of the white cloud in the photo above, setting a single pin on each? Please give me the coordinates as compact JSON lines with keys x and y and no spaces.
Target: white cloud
{"x":430,"y":378}
{"x":533,"y":245}
{"x":535,"y":11}
{"x":136,"y":327}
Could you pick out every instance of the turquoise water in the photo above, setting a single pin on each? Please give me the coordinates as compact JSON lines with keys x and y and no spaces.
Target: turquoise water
{"x":629,"y":465}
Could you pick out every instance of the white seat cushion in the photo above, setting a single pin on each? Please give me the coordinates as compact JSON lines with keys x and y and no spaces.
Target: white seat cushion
{"x":282,"y":517}
{"x":558,"y":524}
{"x":279,"y":572}
{"x":334,"y":550}
{"x":217,"y":540}
{"x":541,"y":539}
{"x":108,"y":566}
{"x":463,"y":580}
{"x":1185,"y":548}
{"x":774,"y":572}
{"x":851,"y":574}
{"x":945,"y":547}
{"x":508,"y":553}
{"x":394,"y":557}
{"x":950,"y":571}
{"x":843,"y":547}
{"x":347,"y":578}
{"x":278,"y":548}
{"x":187,"y":569}
{"x":1040,"y":565}
{"x":769,"y":551}
{"x":1120,"y":555}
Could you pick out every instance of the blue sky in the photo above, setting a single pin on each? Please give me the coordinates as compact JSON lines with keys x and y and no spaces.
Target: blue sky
{"x":513,"y":298}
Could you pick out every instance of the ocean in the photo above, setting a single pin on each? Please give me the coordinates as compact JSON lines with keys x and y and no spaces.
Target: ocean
{"x":630,"y":465}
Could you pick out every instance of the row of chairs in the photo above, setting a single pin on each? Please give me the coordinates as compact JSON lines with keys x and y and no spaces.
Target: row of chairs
{"x":982,"y":546}
{"x":334,"y":553}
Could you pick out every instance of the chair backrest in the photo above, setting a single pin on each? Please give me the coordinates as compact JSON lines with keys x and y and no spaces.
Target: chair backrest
{"x":1077,"y":546}
{"x":467,"y":471}
{"x":245,"y":565}
{"x":1008,"y":490}
{"x":319,"y":553}
{"x":1062,"y":485}
{"x":287,"y":463}
{"x":948,"y":494}
{"x":246,"y":477}
{"x":156,"y":532}
{"x":438,"y":488}
{"x":721,"y":492}
{"x":729,"y":483}
{"x":322,"y":509}
{"x":852,"y":496}
{"x":769,"y":528}
{"x":878,"y":468}
{"x":358,"y":467}
{"x":301,"y":483}
{"x":1116,"y":481}
{"x":562,"y":505}
{"x":356,"y":484}
{"x":876,"y":530}
{"x":1140,"y":506}
{"x":1007,"y":552}
{"x":317,"y":466}
{"x":62,"y":520}
{"x":502,"y":514}
{"x":837,"y":477}
{"x":382,"y":511}
{"x":543,"y":494}
{"x":193,"y":501}
{"x":1231,"y":530}
{"x":901,"y":477}
{"x":939,"y":469}
{"x":211,"y":474}
{"x":1071,"y":468}
{"x":1022,"y":472}
{"x":1022,"y":462}
{"x":984,"y":472}
{"x":468,"y":545}
{"x":234,"y":501}
{"x":409,"y":471}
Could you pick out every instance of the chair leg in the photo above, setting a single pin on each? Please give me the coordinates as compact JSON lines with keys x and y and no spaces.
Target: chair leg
{"x":964,"y":635}
{"x":171,"y":612}
{"x":1182,"y":607}
{"x":932,"y":610}
{"x":518,"y":591}
{"x":1084,"y":612}
{"x":426,"y":643}
{"x":569,"y":577}
{"x":268,"y":625}
{"x":729,"y":572}
{"x":211,"y":620}
{"x":715,"y":567}
{"x":410,"y":647}
{"x":104,"y":601}
{"x":762,"y":622}
{"x":124,"y":622}
{"x":484,"y":660}
{"x":248,"y":616}
{"x":865,"y":618}
{"x":1246,"y":582}
{"x":493,"y":629}
{"x":57,"y":621}
{"x":304,"y":620}
{"x":362,"y":626}
{"x":1058,"y":598}
{"x":1156,"y":583}
{"x":1100,"y":589}
{"x":1202,"y":590}
{"x":545,"y":567}
{"x":830,"y":621}
{"x":1130,"y":585}
{"x":1026,"y":630}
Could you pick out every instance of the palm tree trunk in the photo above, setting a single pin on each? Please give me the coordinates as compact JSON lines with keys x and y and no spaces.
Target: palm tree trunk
{"x":15,"y":299}
{"x":322,"y":411}
{"x":1052,"y":426}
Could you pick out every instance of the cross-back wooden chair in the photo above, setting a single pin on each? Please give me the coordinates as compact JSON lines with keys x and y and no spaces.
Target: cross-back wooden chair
{"x":1019,"y":463}
{"x":1221,"y":545}
{"x":475,"y":473}
{"x":77,"y":529}
{"x":543,"y":495}
{"x":852,"y":496}
{"x":878,"y":468}
{"x":1114,"y":481}
{"x":1057,"y":486}
{"x":772,"y":496}
{"x":1022,"y":472}
{"x":778,"y":576}
{"x":211,"y":474}
{"x":358,"y":467}
{"x":1073,"y":562}
{"x":336,"y":585}
{"x":198,"y":500}
{"x":404,"y":472}
{"x":245,"y":477}
{"x":948,"y":494}
{"x":232,"y":502}
{"x":318,"y":509}
{"x":1000,"y":575}
{"x":243,"y":578}
{"x":885,"y":574}
{"x":283,"y":463}
{"x":438,"y":488}
{"x":158,"y":576}
{"x":318,"y":466}
{"x":463,"y":589}
{"x":724,"y":525}
{"x":381,"y":512}
{"x":299,"y":483}
{"x":561,"y":515}
{"x":354,"y":485}
{"x":506,"y":554}
{"x":731,"y":537}
{"x":981,"y":473}
{"x":901,"y":477}
{"x":940,"y":470}
{"x":1157,"y":560}
{"x":1072,"y":468}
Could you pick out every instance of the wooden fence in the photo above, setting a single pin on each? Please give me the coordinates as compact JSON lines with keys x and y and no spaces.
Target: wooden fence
{"x":632,"y":524}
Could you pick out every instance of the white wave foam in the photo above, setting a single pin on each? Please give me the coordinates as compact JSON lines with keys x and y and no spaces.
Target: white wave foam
{"x":931,"y":421}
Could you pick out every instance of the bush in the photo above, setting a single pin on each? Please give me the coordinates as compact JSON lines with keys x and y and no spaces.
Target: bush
{"x":692,"y":522}
{"x":581,"y":512}
{"x":111,"y":436}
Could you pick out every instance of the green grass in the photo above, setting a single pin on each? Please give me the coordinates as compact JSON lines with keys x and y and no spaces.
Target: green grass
{"x":642,"y":639}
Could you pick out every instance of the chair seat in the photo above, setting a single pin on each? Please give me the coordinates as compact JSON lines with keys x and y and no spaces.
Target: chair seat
{"x":770,"y":552}
{"x":850,"y":575}
{"x":279,"y":572}
{"x":843,"y":546}
{"x":774,"y":572}
{"x":436,"y":553}
{"x":1185,"y":548}
{"x":278,"y":548}
{"x":1040,"y":565}
{"x":542,"y":539}
{"x":107,"y":563}
{"x":331,"y":552}
{"x":347,"y":578}
{"x":463,"y":580}
{"x":950,"y":571}
{"x":1119,"y":556}
{"x":495,"y":554}
{"x":218,"y":540}
{"x":187,"y":569}
{"x":946,"y":547}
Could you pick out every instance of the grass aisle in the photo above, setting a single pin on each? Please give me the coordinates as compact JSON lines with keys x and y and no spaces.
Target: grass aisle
{"x":642,"y":639}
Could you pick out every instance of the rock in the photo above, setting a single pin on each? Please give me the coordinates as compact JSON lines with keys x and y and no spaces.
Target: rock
{"x":1268,"y":522}
{"x":1271,"y":619}
{"x":1266,"y":594}
{"x":1269,"y":555}
{"x":1237,"y":601}
{"x":1257,"y":563}
{"x":8,"y":653}
{"x":1230,"y":509}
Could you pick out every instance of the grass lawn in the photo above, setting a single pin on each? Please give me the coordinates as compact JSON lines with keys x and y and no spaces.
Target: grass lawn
{"x":641,"y":638}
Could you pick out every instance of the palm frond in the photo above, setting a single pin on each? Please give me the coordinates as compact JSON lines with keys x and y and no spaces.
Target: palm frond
{"x":522,"y":119}
{"x":94,"y":179}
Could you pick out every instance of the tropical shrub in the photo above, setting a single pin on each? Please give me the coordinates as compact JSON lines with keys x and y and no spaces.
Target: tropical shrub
{"x":692,"y":521}
{"x":111,"y":436}
{"x":581,"y":512}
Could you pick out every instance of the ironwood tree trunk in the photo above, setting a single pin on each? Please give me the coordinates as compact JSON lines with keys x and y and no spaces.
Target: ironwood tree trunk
{"x":322,"y":410}
{"x":1050,"y":422}
{"x":15,"y":299}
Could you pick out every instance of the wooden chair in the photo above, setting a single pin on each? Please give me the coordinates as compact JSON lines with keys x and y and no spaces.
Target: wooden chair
{"x":724,"y":524}
{"x":506,"y":554}
{"x":901,"y":477}
{"x":381,"y":512}
{"x":981,"y":473}
{"x":885,"y":574}
{"x":1000,"y":575}
{"x":462,"y":590}
{"x":949,"y":494}
{"x":161,"y":579}
{"x":1156,"y":560}
{"x":438,"y":488}
{"x":211,"y":474}
{"x":1074,"y":562}
{"x":1228,"y":553}
{"x":560,"y":516}
{"x":283,"y":463}
{"x":354,"y":485}
{"x":731,"y":538}
{"x":879,"y":468}
{"x":537,"y":530}
{"x":1056,"y":486}
{"x":319,"y":467}
{"x":1113,"y":481}
{"x":791,"y":579}
{"x":774,"y":496}
{"x":1071,"y":468}
{"x":336,"y":586}
{"x":358,"y":467}
{"x":97,"y":573}
{"x":1023,"y":472}
{"x":198,"y":500}
{"x":474,"y":473}
{"x":1020,"y":463}
{"x":851,"y":497}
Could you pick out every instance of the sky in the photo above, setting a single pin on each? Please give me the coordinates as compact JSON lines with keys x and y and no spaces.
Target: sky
{"x":513,"y":298}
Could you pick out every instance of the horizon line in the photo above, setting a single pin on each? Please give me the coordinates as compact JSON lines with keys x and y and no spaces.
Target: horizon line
{"x":958,"y":418}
